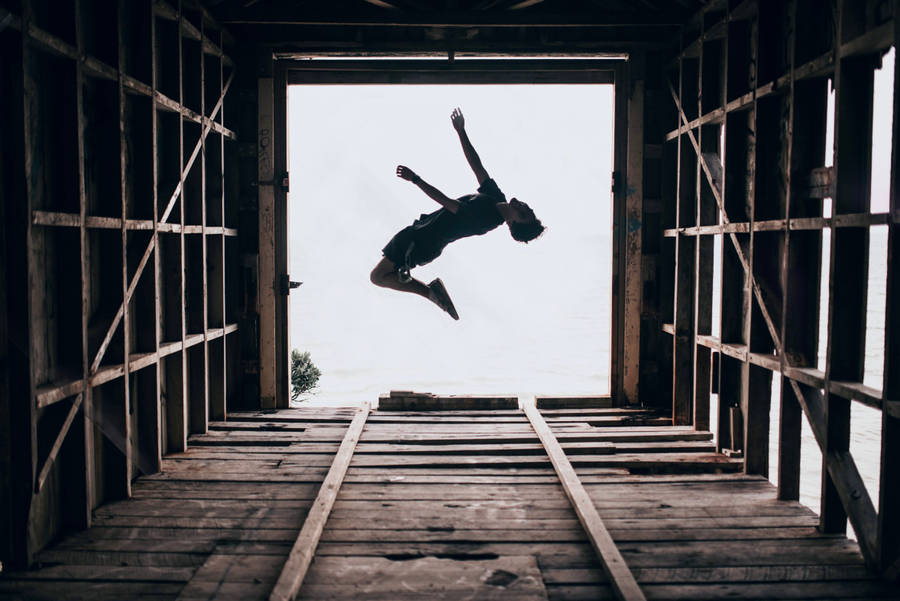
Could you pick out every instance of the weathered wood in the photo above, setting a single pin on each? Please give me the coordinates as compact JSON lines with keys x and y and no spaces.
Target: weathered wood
{"x":849,"y":260}
{"x":57,"y":444}
{"x":614,"y":564}
{"x":889,"y":490}
{"x":294,"y":570}
{"x":267,"y":250}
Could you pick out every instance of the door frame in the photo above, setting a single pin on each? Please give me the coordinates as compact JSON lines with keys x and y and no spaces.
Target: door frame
{"x":626,"y":256}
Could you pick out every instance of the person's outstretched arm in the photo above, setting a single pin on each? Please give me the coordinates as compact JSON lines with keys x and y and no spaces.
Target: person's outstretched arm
{"x":445,"y":201}
{"x":459,"y":124}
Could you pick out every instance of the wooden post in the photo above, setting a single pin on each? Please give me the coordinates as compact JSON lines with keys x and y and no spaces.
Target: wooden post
{"x":849,"y":264}
{"x":282,"y":322}
{"x":267,"y":250}
{"x":685,"y":256}
{"x":86,"y":505}
{"x":889,"y":491}
{"x":128,"y":474}
{"x":633,"y":229}
{"x":620,"y":166}
{"x":800,"y":270}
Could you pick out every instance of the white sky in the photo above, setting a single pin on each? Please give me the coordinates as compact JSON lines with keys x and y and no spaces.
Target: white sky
{"x":534,"y":318}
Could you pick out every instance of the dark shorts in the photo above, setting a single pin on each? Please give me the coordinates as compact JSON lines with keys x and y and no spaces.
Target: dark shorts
{"x":411,"y":247}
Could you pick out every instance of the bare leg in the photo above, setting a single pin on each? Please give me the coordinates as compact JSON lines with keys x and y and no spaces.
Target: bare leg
{"x":385,"y":275}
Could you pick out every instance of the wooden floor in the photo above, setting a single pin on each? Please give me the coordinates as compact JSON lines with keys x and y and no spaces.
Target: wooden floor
{"x":449,"y":505}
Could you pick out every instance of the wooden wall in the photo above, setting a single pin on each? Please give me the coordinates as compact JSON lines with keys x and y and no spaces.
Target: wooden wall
{"x":122,"y":259}
{"x":744,"y":168}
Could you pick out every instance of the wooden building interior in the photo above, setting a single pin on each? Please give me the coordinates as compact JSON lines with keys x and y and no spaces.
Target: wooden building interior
{"x":147,"y":444}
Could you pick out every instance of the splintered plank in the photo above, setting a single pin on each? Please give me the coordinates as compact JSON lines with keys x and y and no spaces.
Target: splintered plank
{"x":512,"y":578}
{"x":301,"y":554}
{"x":621,"y":578}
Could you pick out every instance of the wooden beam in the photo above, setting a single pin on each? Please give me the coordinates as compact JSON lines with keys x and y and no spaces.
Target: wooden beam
{"x":633,"y":256}
{"x":282,"y":238}
{"x":621,"y":579}
{"x":294,"y":570}
{"x":849,"y":266}
{"x":267,"y":249}
{"x":889,"y":490}
{"x":57,"y":444}
{"x":376,"y":18}
{"x":620,"y":167}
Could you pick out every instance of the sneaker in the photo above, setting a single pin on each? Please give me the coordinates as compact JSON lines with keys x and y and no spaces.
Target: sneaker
{"x":441,"y":298}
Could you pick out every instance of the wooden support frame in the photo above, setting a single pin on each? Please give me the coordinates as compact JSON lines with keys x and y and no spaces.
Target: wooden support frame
{"x":112,"y":354}
{"x":627,"y":168}
{"x":622,"y":581}
{"x":294,"y":570}
{"x":774,"y":338}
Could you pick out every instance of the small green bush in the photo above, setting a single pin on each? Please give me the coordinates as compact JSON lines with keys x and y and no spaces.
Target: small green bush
{"x":304,"y":374}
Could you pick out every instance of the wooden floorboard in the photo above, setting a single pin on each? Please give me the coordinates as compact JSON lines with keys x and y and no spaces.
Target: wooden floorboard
{"x":450,"y":505}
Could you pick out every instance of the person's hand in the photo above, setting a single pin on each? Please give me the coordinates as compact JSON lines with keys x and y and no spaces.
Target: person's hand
{"x":457,"y":119}
{"x":406,"y":173}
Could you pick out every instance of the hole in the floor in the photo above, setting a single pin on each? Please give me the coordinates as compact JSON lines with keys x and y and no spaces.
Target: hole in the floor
{"x":453,"y":556}
{"x":501,"y":578}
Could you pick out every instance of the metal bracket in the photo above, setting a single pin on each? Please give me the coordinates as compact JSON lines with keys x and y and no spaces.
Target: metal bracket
{"x":286,"y":284}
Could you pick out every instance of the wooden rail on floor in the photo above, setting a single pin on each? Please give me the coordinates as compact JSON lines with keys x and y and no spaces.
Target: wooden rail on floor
{"x":304,"y":548}
{"x":620,"y":577}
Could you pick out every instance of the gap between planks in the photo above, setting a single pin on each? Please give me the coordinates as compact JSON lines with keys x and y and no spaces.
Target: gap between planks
{"x":301,"y":555}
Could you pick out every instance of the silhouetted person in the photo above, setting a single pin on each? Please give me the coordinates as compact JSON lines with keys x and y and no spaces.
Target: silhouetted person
{"x":470,"y":215}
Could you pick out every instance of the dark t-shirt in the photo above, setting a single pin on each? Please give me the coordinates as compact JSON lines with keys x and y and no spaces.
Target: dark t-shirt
{"x":425,"y":239}
{"x":477,"y":214}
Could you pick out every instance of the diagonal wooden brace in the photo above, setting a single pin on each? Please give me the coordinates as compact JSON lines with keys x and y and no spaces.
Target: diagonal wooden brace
{"x":132,"y":285}
{"x":841,"y":466}
{"x":57,"y":444}
{"x":717,"y":194}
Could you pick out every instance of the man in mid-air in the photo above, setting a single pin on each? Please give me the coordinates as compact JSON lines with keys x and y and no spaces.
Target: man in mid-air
{"x":469,"y":215}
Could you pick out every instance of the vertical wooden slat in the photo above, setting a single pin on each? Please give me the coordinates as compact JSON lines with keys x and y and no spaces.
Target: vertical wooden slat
{"x":85,"y":511}
{"x":157,"y":427}
{"x":854,"y":79}
{"x":179,"y":433}
{"x":685,"y":256}
{"x":633,"y":258}
{"x":889,"y":491}
{"x":267,"y":250}
{"x":755,"y":415}
{"x":279,"y":132}
{"x":128,"y":476}
{"x":620,"y":166}
{"x":801,"y":266}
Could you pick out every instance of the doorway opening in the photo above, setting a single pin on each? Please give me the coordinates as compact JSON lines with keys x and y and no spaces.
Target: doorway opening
{"x":535,"y":318}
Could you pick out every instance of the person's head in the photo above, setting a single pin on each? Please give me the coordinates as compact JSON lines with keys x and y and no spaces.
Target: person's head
{"x":522,"y":223}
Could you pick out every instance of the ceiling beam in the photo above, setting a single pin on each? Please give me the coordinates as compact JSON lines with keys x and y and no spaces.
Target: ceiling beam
{"x":267,"y":16}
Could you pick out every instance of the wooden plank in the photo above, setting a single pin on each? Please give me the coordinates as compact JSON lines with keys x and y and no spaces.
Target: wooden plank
{"x":267,"y":250}
{"x":614,"y":565}
{"x":294,"y":570}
